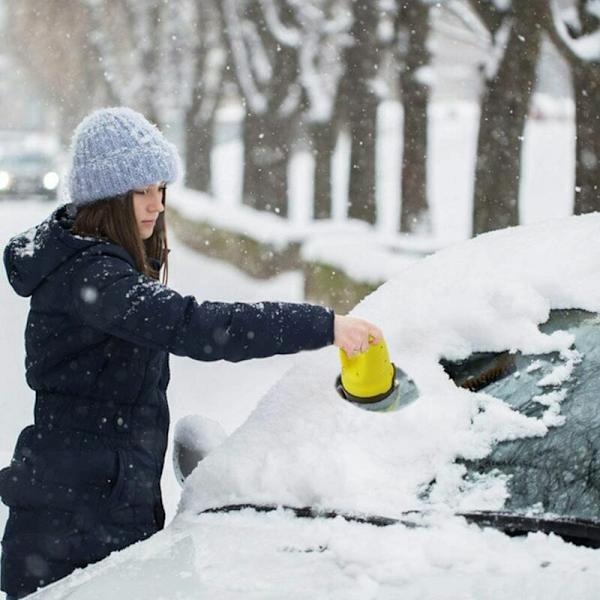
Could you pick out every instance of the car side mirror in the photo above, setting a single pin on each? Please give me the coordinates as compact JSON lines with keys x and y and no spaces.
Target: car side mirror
{"x":195,"y":437}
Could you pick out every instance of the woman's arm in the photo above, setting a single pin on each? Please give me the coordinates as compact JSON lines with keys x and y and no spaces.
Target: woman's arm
{"x":110,"y":295}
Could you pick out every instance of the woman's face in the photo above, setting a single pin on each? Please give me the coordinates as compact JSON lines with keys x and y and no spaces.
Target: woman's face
{"x":147,"y":205}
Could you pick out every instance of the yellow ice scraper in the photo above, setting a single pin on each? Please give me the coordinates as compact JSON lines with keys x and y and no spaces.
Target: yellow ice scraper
{"x":368,"y":379}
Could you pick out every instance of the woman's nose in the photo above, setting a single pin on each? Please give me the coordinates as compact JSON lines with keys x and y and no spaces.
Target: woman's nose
{"x":157,"y":201}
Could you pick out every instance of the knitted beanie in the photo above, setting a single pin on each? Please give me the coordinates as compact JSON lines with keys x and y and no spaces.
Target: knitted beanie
{"x":115,"y":150}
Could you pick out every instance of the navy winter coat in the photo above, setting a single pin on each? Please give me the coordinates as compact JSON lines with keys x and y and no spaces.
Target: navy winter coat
{"x":85,"y":477}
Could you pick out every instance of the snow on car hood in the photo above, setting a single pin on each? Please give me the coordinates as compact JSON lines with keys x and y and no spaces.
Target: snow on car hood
{"x":272,"y":556}
{"x":303,"y":445}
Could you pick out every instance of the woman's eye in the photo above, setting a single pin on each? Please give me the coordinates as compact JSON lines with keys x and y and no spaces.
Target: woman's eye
{"x":162,"y":189}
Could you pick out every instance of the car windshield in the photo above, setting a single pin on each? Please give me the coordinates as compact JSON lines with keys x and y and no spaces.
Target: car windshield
{"x":552,"y":477}
{"x":554,"y":480}
{"x":558,"y":474}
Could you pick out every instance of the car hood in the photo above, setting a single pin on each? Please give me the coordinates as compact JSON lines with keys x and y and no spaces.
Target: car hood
{"x":254,"y":555}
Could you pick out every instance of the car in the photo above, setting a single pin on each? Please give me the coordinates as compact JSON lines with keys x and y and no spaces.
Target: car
{"x":27,"y":173}
{"x":481,"y":481}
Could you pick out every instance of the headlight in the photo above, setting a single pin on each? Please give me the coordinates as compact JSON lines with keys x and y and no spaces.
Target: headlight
{"x":50,"y":180}
{"x":5,"y":180}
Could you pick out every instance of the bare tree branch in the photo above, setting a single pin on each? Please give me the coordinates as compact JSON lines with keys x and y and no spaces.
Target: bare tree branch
{"x":490,"y":15}
{"x":574,"y":50}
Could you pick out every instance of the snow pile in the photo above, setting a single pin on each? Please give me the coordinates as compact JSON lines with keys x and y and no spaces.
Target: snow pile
{"x":381,"y":257}
{"x":304,"y":446}
{"x":325,"y":241}
{"x":373,"y":263}
{"x":268,"y":228}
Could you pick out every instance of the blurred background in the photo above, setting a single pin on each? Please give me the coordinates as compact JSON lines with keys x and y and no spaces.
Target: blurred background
{"x":443,"y":119}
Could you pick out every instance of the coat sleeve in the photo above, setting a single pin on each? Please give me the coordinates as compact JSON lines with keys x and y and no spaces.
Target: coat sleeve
{"x":112,"y":296}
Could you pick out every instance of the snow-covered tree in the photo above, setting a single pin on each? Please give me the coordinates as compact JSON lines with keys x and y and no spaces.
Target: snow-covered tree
{"x":164,"y":59}
{"x":366,"y":37}
{"x":509,"y":80}
{"x":134,"y":40}
{"x":261,"y":45}
{"x":336,"y":47}
{"x":323,"y":33}
{"x":576,"y":34}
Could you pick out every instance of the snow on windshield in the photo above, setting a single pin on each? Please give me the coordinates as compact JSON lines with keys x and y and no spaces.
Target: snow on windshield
{"x":304,"y":446}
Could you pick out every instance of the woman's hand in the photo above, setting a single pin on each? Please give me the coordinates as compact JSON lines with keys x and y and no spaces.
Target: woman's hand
{"x":353,"y":335}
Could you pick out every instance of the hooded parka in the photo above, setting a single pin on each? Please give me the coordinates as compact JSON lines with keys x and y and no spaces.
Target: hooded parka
{"x":84,"y":479}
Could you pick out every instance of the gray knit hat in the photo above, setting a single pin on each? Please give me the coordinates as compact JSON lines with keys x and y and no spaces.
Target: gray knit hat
{"x":115,"y":150}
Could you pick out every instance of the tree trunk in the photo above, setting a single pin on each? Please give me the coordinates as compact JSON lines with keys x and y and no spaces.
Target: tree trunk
{"x":200,"y":115}
{"x":586,"y":79}
{"x":415,"y":98}
{"x":361,"y":190}
{"x":151,"y":88}
{"x":268,"y":135}
{"x":586,"y":83}
{"x":360,"y":108}
{"x":504,"y":111}
{"x":267,"y":131}
{"x":266,"y":157}
{"x":323,"y":137}
{"x":198,"y":146}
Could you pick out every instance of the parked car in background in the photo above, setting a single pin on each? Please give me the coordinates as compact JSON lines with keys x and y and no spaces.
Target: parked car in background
{"x":29,"y":172}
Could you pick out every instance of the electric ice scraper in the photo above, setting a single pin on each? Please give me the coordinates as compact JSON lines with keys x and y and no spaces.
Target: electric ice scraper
{"x":371,"y":381}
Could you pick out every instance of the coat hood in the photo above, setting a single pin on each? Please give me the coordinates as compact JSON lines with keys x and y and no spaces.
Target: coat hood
{"x":33,"y":255}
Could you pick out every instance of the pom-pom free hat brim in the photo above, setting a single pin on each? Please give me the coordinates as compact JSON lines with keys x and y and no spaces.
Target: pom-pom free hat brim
{"x":115,"y":150}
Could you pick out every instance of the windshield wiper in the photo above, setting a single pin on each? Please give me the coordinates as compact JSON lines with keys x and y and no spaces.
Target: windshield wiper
{"x":581,"y":532}
{"x":309,"y":512}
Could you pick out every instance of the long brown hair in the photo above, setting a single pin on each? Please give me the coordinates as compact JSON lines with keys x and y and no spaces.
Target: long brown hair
{"x":113,"y":219}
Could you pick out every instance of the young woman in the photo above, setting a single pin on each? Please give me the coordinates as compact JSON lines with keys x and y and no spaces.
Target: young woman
{"x":85,"y":477}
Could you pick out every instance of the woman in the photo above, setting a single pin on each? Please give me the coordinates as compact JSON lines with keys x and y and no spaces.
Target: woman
{"x":85,"y":477}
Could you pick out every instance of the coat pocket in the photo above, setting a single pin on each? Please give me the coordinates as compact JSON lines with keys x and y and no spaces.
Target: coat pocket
{"x":60,"y":470}
{"x":117,"y":489}
{"x":123,"y":507}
